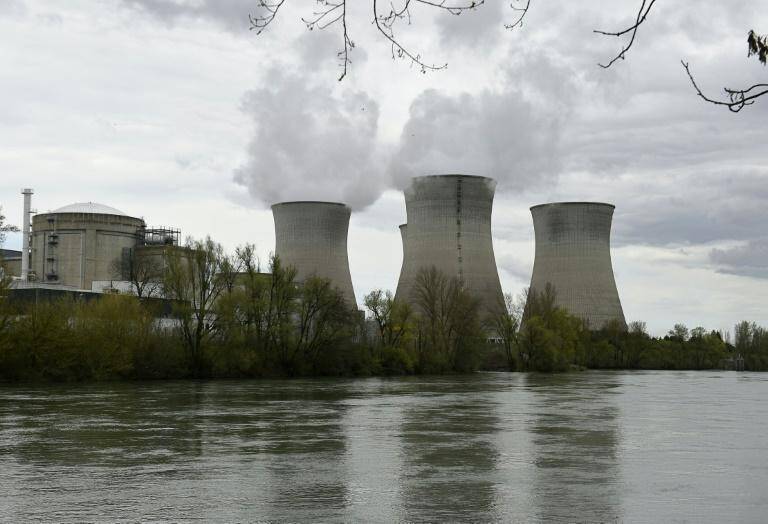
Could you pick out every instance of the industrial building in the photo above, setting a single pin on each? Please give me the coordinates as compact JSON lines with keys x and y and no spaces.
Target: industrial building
{"x":573,"y":255}
{"x":85,"y":247}
{"x":312,"y":237}
{"x":78,"y":244}
{"x":449,"y":227}
{"x":10,"y":260}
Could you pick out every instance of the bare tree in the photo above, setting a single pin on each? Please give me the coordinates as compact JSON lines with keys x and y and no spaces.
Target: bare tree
{"x":386,"y":19}
{"x":451,"y":315}
{"x":143,"y":271}
{"x":323,"y":319}
{"x":328,"y":13}
{"x":737,"y":99}
{"x":504,"y":321}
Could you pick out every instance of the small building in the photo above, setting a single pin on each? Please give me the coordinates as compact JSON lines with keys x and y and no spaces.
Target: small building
{"x":10,"y":263}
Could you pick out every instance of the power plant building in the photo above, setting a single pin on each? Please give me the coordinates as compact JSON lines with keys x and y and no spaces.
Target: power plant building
{"x":312,"y":237}
{"x":573,"y":255}
{"x":78,"y":244}
{"x":449,"y":227}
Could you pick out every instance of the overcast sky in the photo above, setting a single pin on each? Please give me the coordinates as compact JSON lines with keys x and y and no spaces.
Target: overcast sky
{"x":174,"y":111}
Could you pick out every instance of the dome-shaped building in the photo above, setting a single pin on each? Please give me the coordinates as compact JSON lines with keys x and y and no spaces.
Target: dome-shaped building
{"x":78,"y":244}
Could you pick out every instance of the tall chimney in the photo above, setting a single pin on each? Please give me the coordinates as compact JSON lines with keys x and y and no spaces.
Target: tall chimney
{"x":25,"y":231}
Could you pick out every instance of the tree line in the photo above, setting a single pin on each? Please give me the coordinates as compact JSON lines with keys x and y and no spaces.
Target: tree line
{"x":231,"y":318}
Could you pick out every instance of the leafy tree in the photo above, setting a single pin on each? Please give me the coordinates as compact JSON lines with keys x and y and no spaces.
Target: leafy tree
{"x":392,"y":318}
{"x":193,"y":280}
{"x":679,"y":333}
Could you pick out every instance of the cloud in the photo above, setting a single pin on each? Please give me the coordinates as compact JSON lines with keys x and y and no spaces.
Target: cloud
{"x":232,"y":15}
{"x":750,"y":259}
{"x":481,"y":26}
{"x":310,"y":143}
{"x":12,"y":8}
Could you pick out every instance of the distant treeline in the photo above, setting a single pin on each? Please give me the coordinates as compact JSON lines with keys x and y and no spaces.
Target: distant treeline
{"x":230,"y":319}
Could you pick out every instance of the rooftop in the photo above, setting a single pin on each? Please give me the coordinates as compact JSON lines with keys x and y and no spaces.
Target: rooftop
{"x":89,"y":207}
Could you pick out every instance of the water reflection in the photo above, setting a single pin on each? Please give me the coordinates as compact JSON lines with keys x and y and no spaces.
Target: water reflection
{"x":302,"y":443}
{"x":653,"y":447}
{"x":449,"y":456}
{"x":575,"y":436}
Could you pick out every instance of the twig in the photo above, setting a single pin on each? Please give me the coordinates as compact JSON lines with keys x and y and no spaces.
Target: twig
{"x":645,"y":8}
{"x":738,"y":97}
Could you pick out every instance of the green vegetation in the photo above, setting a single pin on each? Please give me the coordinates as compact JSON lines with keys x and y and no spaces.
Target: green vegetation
{"x":230,"y":319}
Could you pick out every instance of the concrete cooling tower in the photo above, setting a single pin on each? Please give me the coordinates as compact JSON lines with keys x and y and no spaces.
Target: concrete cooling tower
{"x":449,"y":227}
{"x":573,"y":255}
{"x":312,"y":237}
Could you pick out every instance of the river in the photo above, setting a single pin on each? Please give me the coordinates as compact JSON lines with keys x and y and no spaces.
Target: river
{"x":591,"y":446}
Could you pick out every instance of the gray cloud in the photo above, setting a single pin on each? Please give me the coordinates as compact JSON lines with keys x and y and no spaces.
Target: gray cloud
{"x":310,"y":144}
{"x":750,"y":259}
{"x":482,"y":26}
{"x":230,"y":14}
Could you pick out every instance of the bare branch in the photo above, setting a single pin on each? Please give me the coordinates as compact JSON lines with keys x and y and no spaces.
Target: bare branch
{"x":521,"y":12}
{"x":642,"y":14}
{"x":385,"y":24}
{"x":737,"y":98}
{"x":333,"y":12}
{"x":260,"y":22}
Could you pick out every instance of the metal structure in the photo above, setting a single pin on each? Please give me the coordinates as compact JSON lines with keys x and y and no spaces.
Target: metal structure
{"x":573,"y":255}
{"x":158,"y":236}
{"x":312,"y":237}
{"x":25,"y":232}
{"x":449,"y":227}
{"x":78,"y":244}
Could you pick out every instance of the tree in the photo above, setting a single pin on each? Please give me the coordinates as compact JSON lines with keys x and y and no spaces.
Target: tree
{"x":737,"y":99}
{"x":193,"y":280}
{"x":5,"y":228}
{"x":143,"y":271}
{"x":329,"y":13}
{"x":679,"y":333}
{"x":324,"y":319}
{"x":392,"y":317}
{"x":450,"y":319}
{"x":505,"y":323}
{"x":386,"y":18}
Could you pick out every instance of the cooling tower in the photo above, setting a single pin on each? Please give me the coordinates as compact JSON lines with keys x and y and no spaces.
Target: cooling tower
{"x":573,"y":255}
{"x":449,"y":227}
{"x":312,"y":237}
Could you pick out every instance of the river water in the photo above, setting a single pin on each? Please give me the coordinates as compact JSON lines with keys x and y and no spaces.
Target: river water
{"x":592,"y":446}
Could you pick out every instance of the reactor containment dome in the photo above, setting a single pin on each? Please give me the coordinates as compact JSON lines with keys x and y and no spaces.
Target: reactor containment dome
{"x":312,"y":237}
{"x":78,"y":244}
{"x":573,"y":255}
{"x":449,"y":227}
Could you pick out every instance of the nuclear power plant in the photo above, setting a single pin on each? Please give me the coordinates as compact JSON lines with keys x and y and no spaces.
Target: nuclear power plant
{"x":80,"y":247}
{"x":573,"y":255}
{"x":449,"y":227}
{"x":312,"y":237}
{"x":83,"y":246}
